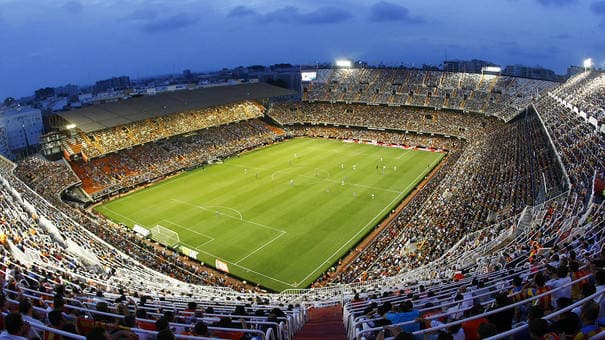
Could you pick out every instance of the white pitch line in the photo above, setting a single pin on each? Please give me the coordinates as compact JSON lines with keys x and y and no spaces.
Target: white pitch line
{"x":261,"y":247}
{"x":407,"y":152}
{"x":117,"y":213}
{"x":246,"y":268}
{"x":364,"y":227}
{"x":229,"y":216}
{"x":232,"y":263}
{"x":189,"y":229}
{"x":241,"y":216}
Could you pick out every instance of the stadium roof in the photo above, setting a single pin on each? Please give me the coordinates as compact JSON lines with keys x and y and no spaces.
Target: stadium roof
{"x":103,"y":116}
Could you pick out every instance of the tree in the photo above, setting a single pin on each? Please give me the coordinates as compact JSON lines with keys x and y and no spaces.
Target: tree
{"x":9,"y":101}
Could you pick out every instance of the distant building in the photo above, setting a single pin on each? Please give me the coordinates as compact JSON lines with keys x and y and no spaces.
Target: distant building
{"x":537,"y":72}
{"x":85,"y":98}
{"x":50,"y":145}
{"x":188,"y":76}
{"x":468,"y":66}
{"x":67,"y":90}
{"x":115,"y":83}
{"x":20,"y":131}
{"x":44,"y":93}
{"x":573,"y":70}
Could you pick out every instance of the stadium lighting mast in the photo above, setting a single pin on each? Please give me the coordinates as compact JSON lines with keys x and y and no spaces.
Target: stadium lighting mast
{"x":587,"y":64}
{"x":343,"y":63}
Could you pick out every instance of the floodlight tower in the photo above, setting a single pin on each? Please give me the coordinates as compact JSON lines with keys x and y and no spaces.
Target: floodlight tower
{"x":587,"y":64}
{"x":343,"y":63}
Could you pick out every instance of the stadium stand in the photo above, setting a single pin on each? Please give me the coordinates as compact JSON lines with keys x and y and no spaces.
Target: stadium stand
{"x":501,"y":96}
{"x":113,"y":173}
{"x":507,"y":235}
{"x":113,"y":139}
{"x":506,"y":183}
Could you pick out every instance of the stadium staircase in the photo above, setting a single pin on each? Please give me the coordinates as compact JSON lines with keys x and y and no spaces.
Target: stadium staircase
{"x":324,"y":323}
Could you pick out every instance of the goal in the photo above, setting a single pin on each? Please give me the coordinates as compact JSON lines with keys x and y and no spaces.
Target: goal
{"x":165,"y":236}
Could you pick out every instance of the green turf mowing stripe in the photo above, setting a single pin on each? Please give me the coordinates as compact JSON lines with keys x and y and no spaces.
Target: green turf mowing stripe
{"x":281,"y":215}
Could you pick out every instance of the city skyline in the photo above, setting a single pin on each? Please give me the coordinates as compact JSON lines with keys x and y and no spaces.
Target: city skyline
{"x":53,"y":43}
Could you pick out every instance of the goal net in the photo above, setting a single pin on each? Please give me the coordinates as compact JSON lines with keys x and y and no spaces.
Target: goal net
{"x":165,"y":236}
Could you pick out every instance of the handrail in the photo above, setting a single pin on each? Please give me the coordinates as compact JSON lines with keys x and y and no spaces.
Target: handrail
{"x":576,"y":304}
{"x":57,"y":331}
{"x":451,"y":303}
{"x":120,"y":316}
{"x":495,"y":311}
{"x":501,"y":309}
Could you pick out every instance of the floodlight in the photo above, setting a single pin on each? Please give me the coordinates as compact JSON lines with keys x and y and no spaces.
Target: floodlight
{"x":588,"y":63}
{"x":343,"y":63}
{"x":70,"y":126}
{"x":493,"y":69}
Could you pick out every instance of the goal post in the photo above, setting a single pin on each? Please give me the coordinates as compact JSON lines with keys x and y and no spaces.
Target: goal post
{"x":165,"y":236}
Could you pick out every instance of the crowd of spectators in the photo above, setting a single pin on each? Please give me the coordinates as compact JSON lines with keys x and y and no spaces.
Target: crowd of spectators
{"x":474,"y":188}
{"x":397,"y":138}
{"x":566,"y":278}
{"x":105,"y":141}
{"x":492,"y":173}
{"x":78,"y":230}
{"x":581,"y":147}
{"x":586,"y":91}
{"x":495,"y":176}
{"x":502,"y":96}
{"x":36,"y":303}
{"x":109,"y":174}
{"x":401,"y":118}
{"x":46,"y":178}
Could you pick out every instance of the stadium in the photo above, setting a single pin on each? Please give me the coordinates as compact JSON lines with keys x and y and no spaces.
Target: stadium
{"x":378,"y":197}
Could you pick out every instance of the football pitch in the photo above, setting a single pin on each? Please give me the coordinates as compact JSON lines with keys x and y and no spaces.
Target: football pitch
{"x":279,"y":216}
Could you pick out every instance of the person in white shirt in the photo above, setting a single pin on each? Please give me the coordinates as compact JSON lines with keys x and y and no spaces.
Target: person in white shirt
{"x":562,"y":278}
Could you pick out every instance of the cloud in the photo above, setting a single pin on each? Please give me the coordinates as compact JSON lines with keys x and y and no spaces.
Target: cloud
{"x":170,"y":23}
{"x":154,"y":20}
{"x":557,"y":3}
{"x":73,"y":7}
{"x":241,"y":11}
{"x":143,"y":14}
{"x":321,"y":16}
{"x":389,"y":12}
{"x":326,"y":15}
{"x":598,"y":7}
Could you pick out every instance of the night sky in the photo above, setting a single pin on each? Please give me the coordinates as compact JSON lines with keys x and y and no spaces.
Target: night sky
{"x":54,"y":42}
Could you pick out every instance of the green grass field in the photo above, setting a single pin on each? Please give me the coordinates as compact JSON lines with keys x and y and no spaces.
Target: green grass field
{"x":279,"y":216}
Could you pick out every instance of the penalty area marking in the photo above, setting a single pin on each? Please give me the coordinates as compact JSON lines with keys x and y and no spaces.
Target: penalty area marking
{"x":229,"y":216}
{"x":282,"y":232}
{"x":246,"y":268}
{"x":261,"y":247}
{"x":241,"y":217}
{"x":117,"y":213}
{"x":191,"y":230}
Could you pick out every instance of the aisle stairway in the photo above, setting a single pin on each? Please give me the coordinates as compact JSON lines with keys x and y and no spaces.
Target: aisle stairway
{"x":324,"y":323}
